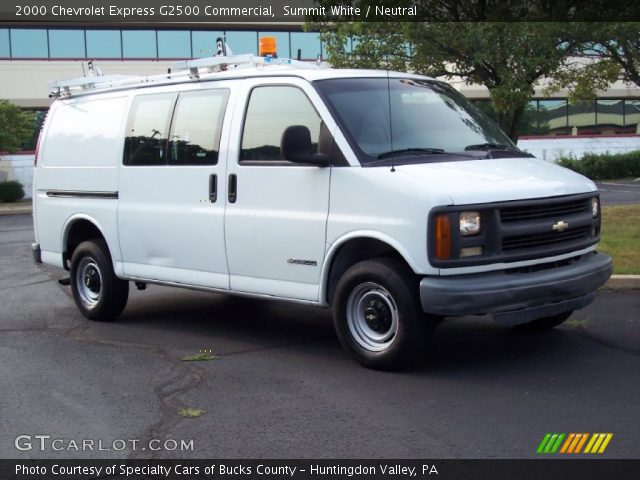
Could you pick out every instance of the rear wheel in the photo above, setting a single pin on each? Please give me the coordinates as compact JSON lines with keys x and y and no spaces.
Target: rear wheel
{"x":546,"y":323}
{"x":377,"y":314}
{"x":98,"y":293}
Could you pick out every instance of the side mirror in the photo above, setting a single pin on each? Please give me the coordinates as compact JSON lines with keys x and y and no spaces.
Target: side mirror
{"x":296,"y":147}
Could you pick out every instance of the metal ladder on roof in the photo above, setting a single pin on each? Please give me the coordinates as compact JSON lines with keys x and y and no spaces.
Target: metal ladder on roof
{"x":185,"y":69}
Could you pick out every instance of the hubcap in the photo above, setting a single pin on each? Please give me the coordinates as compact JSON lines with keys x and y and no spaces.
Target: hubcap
{"x":372,"y":316}
{"x":89,"y":282}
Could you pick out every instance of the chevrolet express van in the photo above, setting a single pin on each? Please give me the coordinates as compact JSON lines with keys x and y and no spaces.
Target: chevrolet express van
{"x":385,"y":196}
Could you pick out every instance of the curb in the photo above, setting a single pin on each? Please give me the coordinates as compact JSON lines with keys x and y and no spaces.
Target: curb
{"x":16,"y":210}
{"x":623,"y":282}
{"x":616,"y":282}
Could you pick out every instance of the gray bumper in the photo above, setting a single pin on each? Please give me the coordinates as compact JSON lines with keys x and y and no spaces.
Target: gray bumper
{"x":520,"y":297}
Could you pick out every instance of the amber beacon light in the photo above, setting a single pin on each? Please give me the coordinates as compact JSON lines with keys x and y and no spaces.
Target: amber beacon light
{"x":268,"y":47}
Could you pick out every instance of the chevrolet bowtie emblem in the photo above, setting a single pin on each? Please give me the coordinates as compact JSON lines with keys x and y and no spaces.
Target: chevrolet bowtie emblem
{"x":560,"y":226}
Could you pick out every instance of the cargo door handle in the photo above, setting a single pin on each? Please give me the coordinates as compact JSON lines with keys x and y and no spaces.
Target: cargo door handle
{"x":233,"y":188}
{"x":213,"y":188}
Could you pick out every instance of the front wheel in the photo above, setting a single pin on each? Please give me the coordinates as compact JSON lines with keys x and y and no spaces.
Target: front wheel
{"x":546,"y":323}
{"x":98,"y":293}
{"x":377,"y":314}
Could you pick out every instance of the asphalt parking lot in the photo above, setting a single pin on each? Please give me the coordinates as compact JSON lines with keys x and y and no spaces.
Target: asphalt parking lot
{"x":283,"y":388}
{"x":619,"y":192}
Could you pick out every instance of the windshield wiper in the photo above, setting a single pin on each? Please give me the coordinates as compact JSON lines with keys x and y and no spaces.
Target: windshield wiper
{"x":411,"y":151}
{"x":488,"y":146}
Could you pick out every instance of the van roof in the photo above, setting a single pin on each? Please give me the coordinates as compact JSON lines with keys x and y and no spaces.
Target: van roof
{"x":212,"y":68}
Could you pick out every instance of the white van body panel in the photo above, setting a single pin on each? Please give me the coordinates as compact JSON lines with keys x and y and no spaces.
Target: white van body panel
{"x":168,"y":229}
{"x":496,"y":180}
{"x":79,"y":154}
{"x":280,"y":215}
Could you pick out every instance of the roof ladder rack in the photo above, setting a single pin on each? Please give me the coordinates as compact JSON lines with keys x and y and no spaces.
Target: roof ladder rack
{"x":211,"y":64}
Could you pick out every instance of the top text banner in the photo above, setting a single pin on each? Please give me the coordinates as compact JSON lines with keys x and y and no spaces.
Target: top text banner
{"x":192,"y":12}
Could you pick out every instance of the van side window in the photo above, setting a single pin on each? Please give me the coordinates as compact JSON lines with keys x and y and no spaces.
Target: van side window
{"x":271,"y":110}
{"x":147,"y":129}
{"x":196,"y":128}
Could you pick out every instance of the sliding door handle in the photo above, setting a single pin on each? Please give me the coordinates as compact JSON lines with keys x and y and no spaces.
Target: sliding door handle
{"x":213,"y":188}
{"x":233,"y":188}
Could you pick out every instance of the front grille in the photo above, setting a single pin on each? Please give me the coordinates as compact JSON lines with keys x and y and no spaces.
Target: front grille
{"x":521,"y":230}
{"x":532,"y":212}
{"x":536,"y":240}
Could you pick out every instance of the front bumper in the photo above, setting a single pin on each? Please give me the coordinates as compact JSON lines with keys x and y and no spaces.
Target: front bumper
{"x":515,"y":297}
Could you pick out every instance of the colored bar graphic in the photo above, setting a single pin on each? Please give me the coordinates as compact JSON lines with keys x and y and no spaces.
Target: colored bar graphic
{"x":605,"y":443}
{"x":551,"y":443}
{"x":565,"y":447}
{"x":581,"y":442}
{"x":594,"y":437}
{"x":543,"y":443}
{"x":598,"y":443}
{"x":573,"y":443}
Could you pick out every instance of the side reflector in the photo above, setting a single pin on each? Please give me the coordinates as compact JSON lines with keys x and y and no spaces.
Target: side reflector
{"x":268,"y":47}
{"x":443,"y":237}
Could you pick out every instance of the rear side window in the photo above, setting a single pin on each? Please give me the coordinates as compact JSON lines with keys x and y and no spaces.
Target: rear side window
{"x":197,"y":123}
{"x":147,"y":130}
{"x":271,"y":110}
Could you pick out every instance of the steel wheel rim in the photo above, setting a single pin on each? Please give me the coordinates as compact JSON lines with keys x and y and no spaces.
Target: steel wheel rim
{"x":89,"y":282}
{"x":372,"y":317}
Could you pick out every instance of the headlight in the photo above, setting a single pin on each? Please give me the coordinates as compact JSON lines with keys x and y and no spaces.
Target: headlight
{"x":595,"y":207}
{"x":469,"y":223}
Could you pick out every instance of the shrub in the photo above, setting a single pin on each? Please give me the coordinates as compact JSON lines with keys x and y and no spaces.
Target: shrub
{"x":605,"y":166}
{"x":11,"y":191}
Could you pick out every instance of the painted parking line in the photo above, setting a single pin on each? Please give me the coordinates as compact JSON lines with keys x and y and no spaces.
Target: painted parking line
{"x":620,"y":184}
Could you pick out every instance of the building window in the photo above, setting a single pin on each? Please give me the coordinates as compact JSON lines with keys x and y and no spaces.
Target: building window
{"x":610,"y":116}
{"x":552,"y":117}
{"x":242,"y":42}
{"x":104,"y":44}
{"x":529,"y":121}
{"x":632,"y":116}
{"x":174,"y":44}
{"x":66,"y":44}
{"x":582,"y":118}
{"x":29,"y":43}
{"x":139,"y":44}
{"x":308,"y":43}
{"x":271,"y":110}
{"x":196,"y":128}
{"x":5,"y":50}
{"x":204,"y":43}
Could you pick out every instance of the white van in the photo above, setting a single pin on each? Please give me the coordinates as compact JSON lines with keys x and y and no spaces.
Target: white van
{"x":383,"y":195}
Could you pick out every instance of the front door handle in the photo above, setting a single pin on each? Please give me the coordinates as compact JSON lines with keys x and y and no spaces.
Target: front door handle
{"x":213,"y":188}
{"x":233,"y":188}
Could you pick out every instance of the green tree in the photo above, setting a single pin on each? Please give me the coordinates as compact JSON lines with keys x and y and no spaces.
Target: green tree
{"x":16,"y":126}
{"x":508,"y":58}
{"x":608,"y":52}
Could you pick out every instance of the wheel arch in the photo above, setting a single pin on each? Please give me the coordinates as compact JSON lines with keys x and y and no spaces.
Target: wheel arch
{"x":77,"y":229}
{"x":351,"y":249}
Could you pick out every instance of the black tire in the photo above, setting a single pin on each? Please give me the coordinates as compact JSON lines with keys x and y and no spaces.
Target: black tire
{"x":546,"y":323}
{"x":98,"y":293}
{"x":377,"y":314}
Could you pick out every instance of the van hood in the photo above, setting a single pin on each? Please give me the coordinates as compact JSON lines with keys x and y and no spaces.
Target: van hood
{"x":496,"y":180}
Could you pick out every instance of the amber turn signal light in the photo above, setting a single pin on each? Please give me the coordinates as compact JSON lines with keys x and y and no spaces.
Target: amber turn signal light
{"x":443,"y":237}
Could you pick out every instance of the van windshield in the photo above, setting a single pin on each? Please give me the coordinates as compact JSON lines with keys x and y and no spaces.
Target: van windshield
{"x":411,"y":119}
